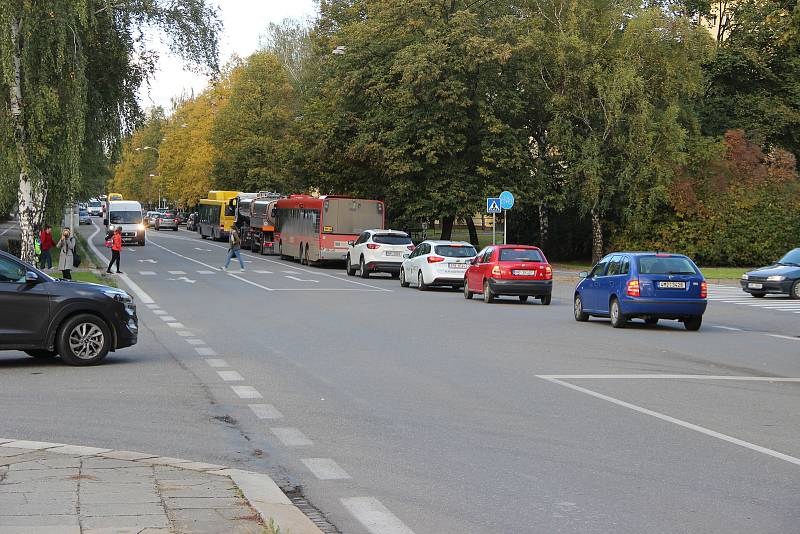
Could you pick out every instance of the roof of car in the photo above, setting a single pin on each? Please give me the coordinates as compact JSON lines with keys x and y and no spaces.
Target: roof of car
{"x":445,"y":242}
{"x":533,"y":247}
{"x":641,"y":253}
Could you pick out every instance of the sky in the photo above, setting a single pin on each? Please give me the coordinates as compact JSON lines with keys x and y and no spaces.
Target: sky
{"x":243,"y":22}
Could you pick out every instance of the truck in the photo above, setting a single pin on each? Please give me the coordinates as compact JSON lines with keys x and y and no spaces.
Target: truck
{"x":260,"y":234}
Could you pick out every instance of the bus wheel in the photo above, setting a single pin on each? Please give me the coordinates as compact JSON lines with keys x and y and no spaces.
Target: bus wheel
{"x":280,"y":252}
{"x":305,"y":256}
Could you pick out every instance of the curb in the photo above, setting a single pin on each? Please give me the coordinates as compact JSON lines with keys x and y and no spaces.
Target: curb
{"x":260,"y":490}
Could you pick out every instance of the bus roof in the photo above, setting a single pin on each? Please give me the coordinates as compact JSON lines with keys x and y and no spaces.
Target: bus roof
{"x":222,"y":195}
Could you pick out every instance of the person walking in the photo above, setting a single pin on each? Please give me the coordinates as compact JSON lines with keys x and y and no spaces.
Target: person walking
{"x":67,"y":255}
{"x":234,"y":249}
{"x":46,"y":243}
{"x":116,"y":249}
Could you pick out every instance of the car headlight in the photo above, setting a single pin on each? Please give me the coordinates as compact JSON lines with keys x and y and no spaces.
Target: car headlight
{"x":141,"y":227}
{"x":118,"y":295}
{"x":776,"y":278}
{"x":745,"y":277}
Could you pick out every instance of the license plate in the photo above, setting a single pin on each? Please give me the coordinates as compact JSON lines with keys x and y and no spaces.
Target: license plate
{"x":672,"y":285}
{"x":394,"y":253}
{"x":755,"y":286}
{"x":523,"y":272}
{"x":457,"y":265}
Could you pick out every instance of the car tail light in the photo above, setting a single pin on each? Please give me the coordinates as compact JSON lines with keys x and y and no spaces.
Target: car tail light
{"x":703,"y":290}
{"x":435,"y":259}
{"x":268,"y":244}
{"x":411,"y":247}
{"x":633,"y":288}
{"x":496,"y":271}
{"x":372,"y":246}
{"x":548,"y":272}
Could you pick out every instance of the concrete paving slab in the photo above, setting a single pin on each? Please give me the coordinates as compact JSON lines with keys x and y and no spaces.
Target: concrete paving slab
{"x":79,"y":451}
{"x":120,"y":509}
{"x":126,"y":455}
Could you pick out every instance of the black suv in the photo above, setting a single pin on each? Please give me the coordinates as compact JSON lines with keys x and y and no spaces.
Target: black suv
{"x":43,"y":316}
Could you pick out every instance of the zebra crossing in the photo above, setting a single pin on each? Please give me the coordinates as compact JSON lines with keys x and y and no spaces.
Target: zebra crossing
{"x":735,"y":295}
{"x":201,"y":272}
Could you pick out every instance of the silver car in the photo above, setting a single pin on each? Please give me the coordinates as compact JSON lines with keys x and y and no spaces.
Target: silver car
{"x":166,"y":221}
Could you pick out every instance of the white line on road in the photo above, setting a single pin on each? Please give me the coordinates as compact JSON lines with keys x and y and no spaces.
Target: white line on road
{"x":375,"y":517}
{"x":159,"y":312}
{"x":290,"y":272}
{"x":325,"y":469}
{"x":246,"y":281}
{"x":265,"y":411}
{"x":184,"y":333}
{"x":176,"y":325}
{"x":673,"y":377}
{"x":138,"y":291}
{"x":205,"y":272}
{"x":205,"y":351}
{"x":153,"y":306}
{"x":168,"y":318}
{"x":217,"y":362}
{"x":730,"y":328}
{"x":147,"y":273}
{"x":185,"y":257}
{"x":176,"y":272}
{"x":246,"y":392}
{"x":291,"y":437}
{"x":790,"y":338}
{"x":262,"y":272}
{"x":230,"y":376}
{"x":301,"y":280}
{"x":679,"y":422}
{"x":194,"y":341}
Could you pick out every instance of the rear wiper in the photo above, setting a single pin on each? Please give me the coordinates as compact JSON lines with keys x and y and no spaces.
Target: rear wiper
{"x":679,"y":272}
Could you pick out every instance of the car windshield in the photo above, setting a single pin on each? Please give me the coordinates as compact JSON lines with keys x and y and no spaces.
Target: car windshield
{"x":520,"y":254}
{"x":665,"y":265}
{"x":126,"y":217}
{"x":455,"y":251}
{"x":94,"y":204}
{"x":792,"y":258}
{"x":391,"y":239}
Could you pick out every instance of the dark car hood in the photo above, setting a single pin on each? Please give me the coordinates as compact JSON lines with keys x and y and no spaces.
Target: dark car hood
{"x":776,"y":270}
{"x":83,"y":287}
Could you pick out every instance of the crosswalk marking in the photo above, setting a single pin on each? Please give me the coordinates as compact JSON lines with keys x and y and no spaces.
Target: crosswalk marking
{"x":736,"y":296}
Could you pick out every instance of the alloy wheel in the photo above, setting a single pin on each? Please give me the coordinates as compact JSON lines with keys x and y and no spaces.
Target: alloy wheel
{"x":86,"y":341}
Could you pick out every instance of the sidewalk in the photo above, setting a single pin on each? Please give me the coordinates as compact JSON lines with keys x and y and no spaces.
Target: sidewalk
{"x":50,"y":488}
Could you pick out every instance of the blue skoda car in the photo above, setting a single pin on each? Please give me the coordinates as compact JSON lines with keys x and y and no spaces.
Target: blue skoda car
{"x":643,"y":285}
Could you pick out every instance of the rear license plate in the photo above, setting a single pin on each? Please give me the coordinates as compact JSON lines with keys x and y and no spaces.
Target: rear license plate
{"x":394,"y":253}
{"x":457,"y":265}
{"x":523,"y":272}
{"x":755,"y":286}
{"x":672,"y":285}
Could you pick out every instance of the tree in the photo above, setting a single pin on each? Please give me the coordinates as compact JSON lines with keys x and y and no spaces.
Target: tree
{"x":136,"y":175}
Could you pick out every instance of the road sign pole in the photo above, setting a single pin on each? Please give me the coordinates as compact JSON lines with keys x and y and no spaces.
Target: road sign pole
{"x":505,"y":227}
{"x":494,"y":228}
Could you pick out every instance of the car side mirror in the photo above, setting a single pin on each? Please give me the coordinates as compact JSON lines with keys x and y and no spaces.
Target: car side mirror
{"x":583,"y":274}
{"x":406,"y":255}
{"x":351,"y":243}
{"x":474,"y":261}
{"x":31,"y":277}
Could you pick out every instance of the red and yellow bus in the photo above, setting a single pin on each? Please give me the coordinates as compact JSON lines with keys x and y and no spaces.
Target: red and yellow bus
{"x":318,"y":229}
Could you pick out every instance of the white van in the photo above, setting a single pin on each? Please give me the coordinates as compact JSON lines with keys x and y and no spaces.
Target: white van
{"x":128,"y":215}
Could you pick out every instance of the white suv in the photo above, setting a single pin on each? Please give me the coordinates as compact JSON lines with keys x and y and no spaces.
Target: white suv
{"x":437,"y":263}
{"x":378,"y":251}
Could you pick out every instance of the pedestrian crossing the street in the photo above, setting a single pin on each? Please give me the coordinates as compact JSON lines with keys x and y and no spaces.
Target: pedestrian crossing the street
{"x":735,"y":295}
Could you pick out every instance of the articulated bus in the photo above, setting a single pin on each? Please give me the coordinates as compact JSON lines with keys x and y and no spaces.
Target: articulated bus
{"x":318,"y":229}
{"x":217,"y":215}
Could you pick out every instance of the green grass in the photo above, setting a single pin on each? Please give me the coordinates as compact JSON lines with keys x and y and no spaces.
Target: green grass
{"x":90,"y":276}
{"x":724,"y":273}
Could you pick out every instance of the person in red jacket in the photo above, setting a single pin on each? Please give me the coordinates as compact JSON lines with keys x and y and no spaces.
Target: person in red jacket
{"x":46,"y":242}
{"x":116,"y":248}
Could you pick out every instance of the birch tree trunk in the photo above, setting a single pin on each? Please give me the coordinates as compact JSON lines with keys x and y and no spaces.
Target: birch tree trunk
{"x":30,"y":198}
{"x":597,"y":236}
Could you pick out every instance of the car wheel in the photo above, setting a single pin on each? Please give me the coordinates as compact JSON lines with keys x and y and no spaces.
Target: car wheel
{"x":795,"y":292}
{"x":83,"y":340}
{"x":546,"y":300}
{"x":651,"y":321}
{"x":351,"y":271}
{"x":693,"y":323}
{"x":580,"y":315}
{"x":403,"y":281}
{"x":759,"y":295}
{"x":41,"y":353}
{"x":363,"y":268}
{"x":488,"y":294}
{"x":467,"y":293}
{"x":523,"y":298}
{"x":421,"y":285}
{"x":615,"y":312}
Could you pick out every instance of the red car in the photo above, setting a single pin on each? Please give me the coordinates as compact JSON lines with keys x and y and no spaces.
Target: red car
{"x":515,"y":270}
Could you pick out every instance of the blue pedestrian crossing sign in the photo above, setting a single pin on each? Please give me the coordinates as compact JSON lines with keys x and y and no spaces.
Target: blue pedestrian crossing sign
{"x":493,"y":205}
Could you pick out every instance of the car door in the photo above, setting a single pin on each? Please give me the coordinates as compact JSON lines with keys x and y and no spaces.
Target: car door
{"x":409,"y":262}
{"x":355,"y":253}
{"x":416,"y":265}
{"x":484,"y":268}
{"x":30,"y":303}
{"x":591,"y":289}
{"x":609,"y":284}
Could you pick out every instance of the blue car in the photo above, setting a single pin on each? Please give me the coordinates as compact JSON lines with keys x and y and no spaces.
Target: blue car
{"x":643,"y":285}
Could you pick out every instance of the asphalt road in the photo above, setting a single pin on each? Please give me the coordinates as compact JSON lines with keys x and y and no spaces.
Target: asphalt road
{"x":431,"y":414}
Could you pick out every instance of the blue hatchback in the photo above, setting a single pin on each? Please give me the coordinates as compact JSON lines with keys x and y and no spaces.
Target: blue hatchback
{"x":643,"y":285}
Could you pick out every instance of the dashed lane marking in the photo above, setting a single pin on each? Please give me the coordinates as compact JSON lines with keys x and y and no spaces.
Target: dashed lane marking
{"x":176,"y":272}
{"x":216,"y":362}
{"x":153,"y":306}
{"x":184,"y":333}
{"x":205,"y":272}
{"x":672,"y":377}
{"x":205,"y":351}
{"x":729,"y":328}
{"x":262,"y":272}
{"x":325,"y":469}
{"x":301,"y":279}
{"x":176,"y":325}
{"x":195,"y":341}
{"x":230,"y":376}
{"x":246,"y":392}
{"x":375,"y":517}
{"x":168,"y":318}
{"x":291,"y":437}
{"x":147,"y":273}
{"x":265,"y":411}
{"x":790,"y":338}
{"x":159,"y":312}
{"x":138,"y":291}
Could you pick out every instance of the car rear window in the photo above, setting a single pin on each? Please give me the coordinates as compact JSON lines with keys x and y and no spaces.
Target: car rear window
{"x":665,"y":265}
{"x":521,"y":254}
{"x":455,"y":251}
{"x":391,"y":239}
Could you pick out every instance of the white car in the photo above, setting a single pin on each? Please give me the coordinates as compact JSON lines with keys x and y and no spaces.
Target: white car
{"x":378,"y":251}
{"x":437,"y":263}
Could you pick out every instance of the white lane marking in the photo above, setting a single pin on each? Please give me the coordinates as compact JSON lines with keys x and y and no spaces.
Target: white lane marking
{"x":184,"y":333}
{"x":327,"y":289}
{"x":216,"y":362}
{"x":205,"y":351}
{"x":187,"y":257}
{"x":265,"y":411}
{"x":674,"y":377}
{"x":153,"y":306}
{"x":375,"y":517}
{"x":679,"y":422}
{"x":202,"y":249}
{"x":262,"y":272}
{"x":159,"y":312}
{"x":138,"y":291}
{"x":730,"y":328}
{"x":302,"y":280}
{"x":194,"y":341}
{"x":230,"y":376}
{"x":205,"y":272}
{"x":325,"y":469}
{"x":246,"y":392}
{"x":168,"y":318}
{"x":246,"y":281}
{"x":147,"y":261}
{"x":176,"y":272}
{"x":176,"y":325}
{"x":790,"y":338}
{"x":147,"y":273}
{"x":290,"y":272}
{"x":182,"y":279}
{"x":291,"y":437}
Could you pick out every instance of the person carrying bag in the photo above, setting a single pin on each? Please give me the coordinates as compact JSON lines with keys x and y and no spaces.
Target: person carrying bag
{"x":66,"y":258}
